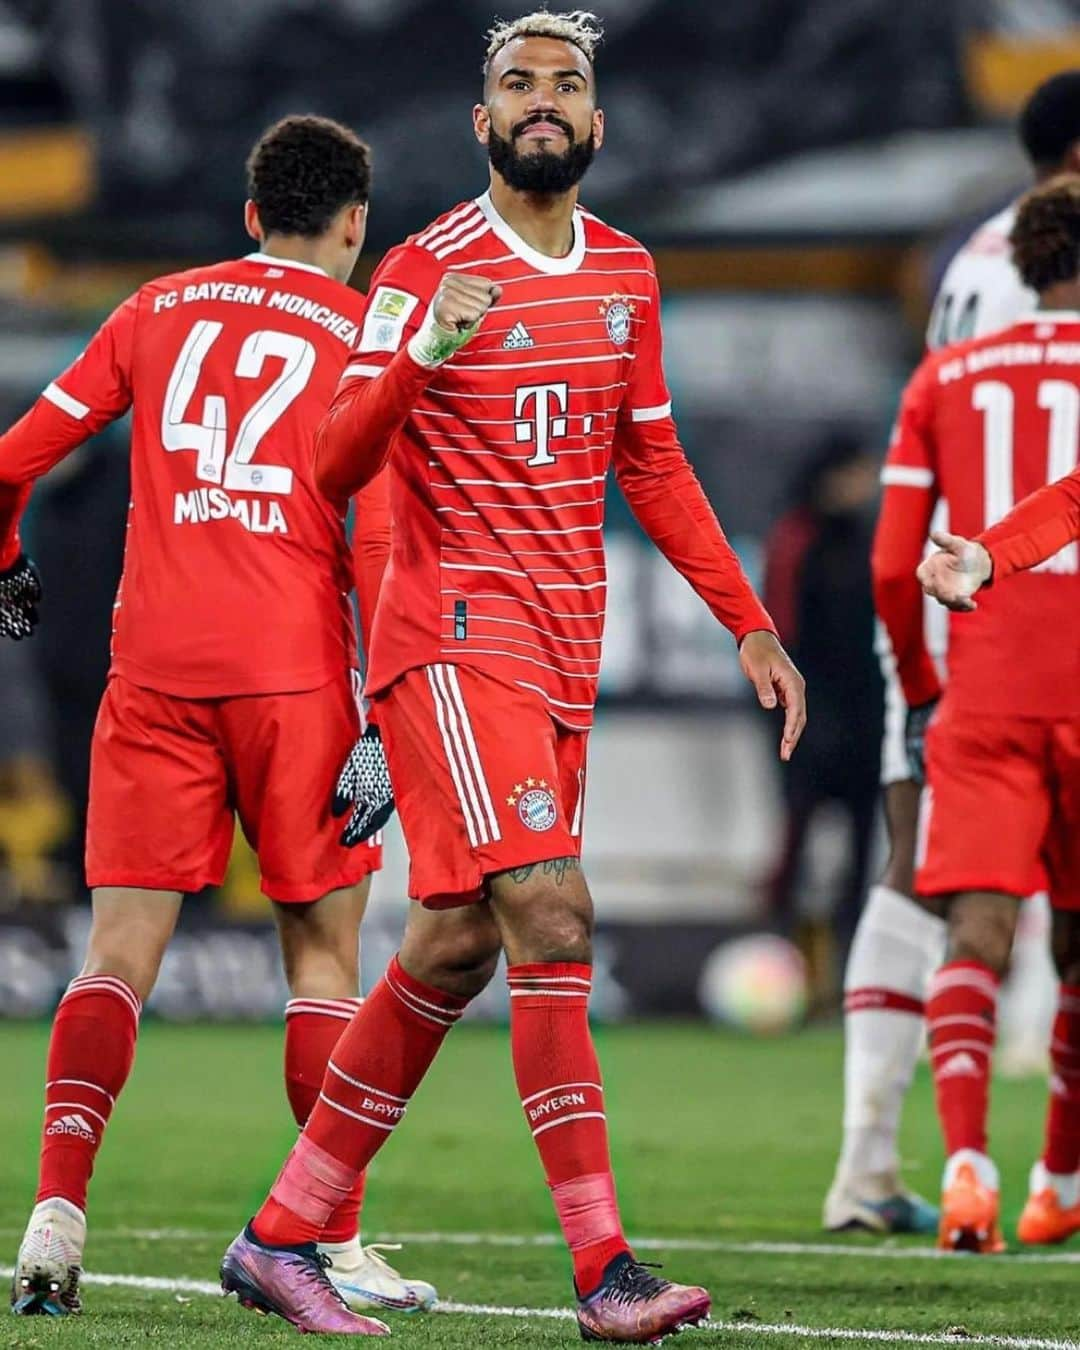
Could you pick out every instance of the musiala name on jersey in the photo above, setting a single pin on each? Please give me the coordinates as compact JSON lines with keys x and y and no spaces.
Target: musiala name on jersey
{"x":288,"y":302}
{"x":258,"y":515}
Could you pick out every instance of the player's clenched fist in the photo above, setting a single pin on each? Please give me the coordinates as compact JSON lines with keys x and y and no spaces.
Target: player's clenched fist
{"x":453,"y":317}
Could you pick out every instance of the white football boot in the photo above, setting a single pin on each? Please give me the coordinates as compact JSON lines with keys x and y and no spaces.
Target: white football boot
{"x":365,"y":1279}
{"x":47,"y":1269}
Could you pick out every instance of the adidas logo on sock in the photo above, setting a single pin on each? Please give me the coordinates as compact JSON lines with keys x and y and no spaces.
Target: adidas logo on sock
{"x":518,"y":337}
{"x":960,"y":1065}
{"x":74,"y":1124}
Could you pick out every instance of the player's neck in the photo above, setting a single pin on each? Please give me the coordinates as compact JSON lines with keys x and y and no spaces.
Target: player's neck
{"x":545,"y":222}
{"x":1062,"y":295}
{"x":296,"y":249}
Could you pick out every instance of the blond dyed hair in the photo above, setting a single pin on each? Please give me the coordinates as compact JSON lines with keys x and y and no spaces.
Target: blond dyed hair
{"x":580,"y":27}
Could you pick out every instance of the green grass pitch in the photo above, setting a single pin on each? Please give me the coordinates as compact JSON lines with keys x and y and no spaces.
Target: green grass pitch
{"x":722,"y":1146}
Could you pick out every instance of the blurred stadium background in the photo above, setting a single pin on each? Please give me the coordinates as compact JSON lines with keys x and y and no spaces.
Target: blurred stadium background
{"x":802,"y":169}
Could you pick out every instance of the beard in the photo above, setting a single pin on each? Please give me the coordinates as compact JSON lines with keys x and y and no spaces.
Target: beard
{"x":541,"y":171}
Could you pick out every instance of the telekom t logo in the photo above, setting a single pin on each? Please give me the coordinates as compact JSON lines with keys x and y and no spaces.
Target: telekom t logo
{"x":543,"y":410}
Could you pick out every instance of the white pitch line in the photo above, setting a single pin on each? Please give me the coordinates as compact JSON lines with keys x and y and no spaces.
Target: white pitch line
{"x":877,"y":1252}
{"x":889,"y":1336}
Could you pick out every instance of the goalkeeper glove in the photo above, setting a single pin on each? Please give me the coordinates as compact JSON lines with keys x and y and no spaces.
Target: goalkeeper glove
{"x":364,"y":785}
{"x":915,"y":725}
{"x":20,"y":592}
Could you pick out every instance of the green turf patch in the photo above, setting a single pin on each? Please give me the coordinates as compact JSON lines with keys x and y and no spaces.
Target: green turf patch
{"x":719,"y":1143}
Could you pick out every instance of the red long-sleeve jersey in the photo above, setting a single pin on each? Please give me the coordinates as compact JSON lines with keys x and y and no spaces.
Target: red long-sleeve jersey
{"x":236,"y":567}
{"x":1039,"y":527}
{"x":981,"y":424}
{"x":498,"y":459}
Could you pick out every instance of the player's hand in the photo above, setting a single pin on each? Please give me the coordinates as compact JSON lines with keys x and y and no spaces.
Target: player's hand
{"x":956,"y":571}
{"x":915,"y":726}
{"x":364,"y":786}
{"x":453,"y":317}
{"x":774,"y":676}
{"x":20,"y":594}
{"x":462,"y":301}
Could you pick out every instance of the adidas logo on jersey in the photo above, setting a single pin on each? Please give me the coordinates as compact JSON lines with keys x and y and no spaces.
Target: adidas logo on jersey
{"x":517,"y":338}
{"x":74,"y":1124}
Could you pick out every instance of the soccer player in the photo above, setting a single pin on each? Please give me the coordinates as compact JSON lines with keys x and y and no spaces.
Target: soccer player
{"x":980,"y":423}
{"x":511,"y":352}
{"x":232,"y":680}
{"x":898,"y":943}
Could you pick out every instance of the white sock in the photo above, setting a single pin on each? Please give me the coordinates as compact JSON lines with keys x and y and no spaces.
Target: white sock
{"x":1066,"y":1184}
{"x":984,"y":1168}
{"x":897,"y":947}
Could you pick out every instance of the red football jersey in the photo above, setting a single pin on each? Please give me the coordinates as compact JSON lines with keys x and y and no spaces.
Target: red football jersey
{"x":498,"y":473}
{"x":236,"y":568}
{"x":982,"y":424}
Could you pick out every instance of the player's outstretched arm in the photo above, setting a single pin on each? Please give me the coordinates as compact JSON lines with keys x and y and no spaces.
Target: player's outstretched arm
{"x":354,"y":440}
{"x":953,"y":574}
{"x":776,"y":681}
{"x":1036,"y":528}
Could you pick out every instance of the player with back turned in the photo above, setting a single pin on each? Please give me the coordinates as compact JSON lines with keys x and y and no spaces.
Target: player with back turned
{"x":898,"y":941}
{"x":232,"y":684}
{"x":982,"y":423}
{"x":511,"y":354}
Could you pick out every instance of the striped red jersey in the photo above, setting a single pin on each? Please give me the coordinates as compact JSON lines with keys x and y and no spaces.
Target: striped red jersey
{"x":498,"y":472}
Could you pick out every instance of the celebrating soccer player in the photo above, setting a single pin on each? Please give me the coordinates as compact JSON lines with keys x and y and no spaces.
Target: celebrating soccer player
{"x":232,"y":680}
{"x":981,"y":423}
{"x":898,"y":943}
{"x":510,"y":353}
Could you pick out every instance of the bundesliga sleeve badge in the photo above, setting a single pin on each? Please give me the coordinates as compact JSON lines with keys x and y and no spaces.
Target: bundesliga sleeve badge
{"x":616,"y":311}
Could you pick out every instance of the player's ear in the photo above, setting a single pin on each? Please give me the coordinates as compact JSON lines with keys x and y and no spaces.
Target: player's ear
{"x":1072,"y":158}
{"x":481,"y":120}
{"x":355,"y":225}
{"x":251,"y":221}
{"x":598,"y":127}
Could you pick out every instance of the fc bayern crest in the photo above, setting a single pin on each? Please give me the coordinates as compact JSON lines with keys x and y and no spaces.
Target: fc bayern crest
{"x":535,"y":804}
{"x":617,"y":311}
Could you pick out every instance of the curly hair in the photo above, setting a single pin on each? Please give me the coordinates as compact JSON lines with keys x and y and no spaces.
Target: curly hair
{"x":1046,"y":237}
{"x":1049,"y":123}
{"x":579,"y":27}
{"x":303,"y":170}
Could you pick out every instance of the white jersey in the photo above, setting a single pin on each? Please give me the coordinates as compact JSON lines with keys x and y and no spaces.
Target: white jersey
{"x":981,"y":292}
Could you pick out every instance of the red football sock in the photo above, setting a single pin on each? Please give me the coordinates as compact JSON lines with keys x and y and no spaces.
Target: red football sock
{"x":91,"y":1050}
{"x":1062,"y":1153}
{"x":313,"y":1026}
{"x":960,"y":1016}
{"x":558,"y":1078}
{"x":376,"y":1067}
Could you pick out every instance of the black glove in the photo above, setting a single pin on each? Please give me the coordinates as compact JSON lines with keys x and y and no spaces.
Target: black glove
{"x":20,"y":591}
{"x":915,"y":725}
{"x":364,"y":785}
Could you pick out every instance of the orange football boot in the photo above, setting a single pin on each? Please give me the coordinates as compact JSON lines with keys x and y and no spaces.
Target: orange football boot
{"x":1046,"y":1220}
{"x":969,"y":1215}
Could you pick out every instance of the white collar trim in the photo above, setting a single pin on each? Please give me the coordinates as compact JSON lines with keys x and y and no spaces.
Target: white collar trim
{"x":1051,"y":316}
{"x":540,"y":261}
{"x":271,"y":261}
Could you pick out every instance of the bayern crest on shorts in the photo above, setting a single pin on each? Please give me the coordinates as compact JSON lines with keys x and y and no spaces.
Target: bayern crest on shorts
{"x":535,"y":804}
{"x":617,"y":311}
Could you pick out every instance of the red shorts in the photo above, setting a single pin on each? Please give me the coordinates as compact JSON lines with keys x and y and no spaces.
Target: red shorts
{"x":484,"y":779}
{"x":167,"y":775}
{"x":1001,"y":809}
